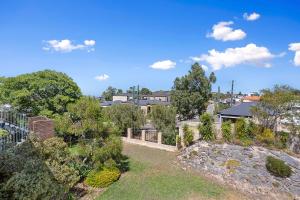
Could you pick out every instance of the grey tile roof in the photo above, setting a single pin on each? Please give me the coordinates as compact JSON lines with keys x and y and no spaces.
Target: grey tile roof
{"x":240,"y":110}
{"x":140,"y":102}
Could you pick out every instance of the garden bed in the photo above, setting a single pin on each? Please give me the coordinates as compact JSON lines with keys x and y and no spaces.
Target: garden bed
{"x":244,"y":168}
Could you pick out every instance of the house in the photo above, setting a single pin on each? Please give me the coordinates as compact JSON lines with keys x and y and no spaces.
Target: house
{"x":145,"y":105}
{"x":163,"y":96}
{"x":122,"y":97}
{"x":242,"y":110}
{"x":251,"y":99}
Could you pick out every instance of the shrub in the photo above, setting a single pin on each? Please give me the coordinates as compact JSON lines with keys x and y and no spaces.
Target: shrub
{"x":188,"y":135}
{"x":283,"y":138}
{"x":226,"y":131}
{"x":267,"y":136}
{"x":102,"y":178}
{"x":205,"y":128}
{"x":278,"y":167}
{"x":241,"y":128}
{"x":169,"y":135}
{"x":178,"y":141}
{"x":3,"y":133}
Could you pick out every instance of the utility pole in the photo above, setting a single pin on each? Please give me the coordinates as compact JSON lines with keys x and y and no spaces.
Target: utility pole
{"x":219,"y":91}
{"x":231,"y":99}
{"x":138,"y":94}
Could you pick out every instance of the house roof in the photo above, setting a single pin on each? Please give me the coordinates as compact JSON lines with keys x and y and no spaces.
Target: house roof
{"x":140,"y":102}
{"x":240,"y":110}
{"x":251,"y":98}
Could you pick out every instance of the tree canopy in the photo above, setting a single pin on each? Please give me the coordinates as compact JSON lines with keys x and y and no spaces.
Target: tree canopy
{"x":40,"y":93}
{"x":276,"y":103}
{"x":145,"y":91}
{"x":125,"y":116}
{"x":110,"y":92}
{"x":190,"y":93}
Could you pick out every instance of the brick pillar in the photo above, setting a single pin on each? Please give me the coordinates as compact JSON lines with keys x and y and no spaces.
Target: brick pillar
{"x":143,"y":135}
{"x":42,"y":127}
{"x":129,"y":133}
{"x":159,"y":137}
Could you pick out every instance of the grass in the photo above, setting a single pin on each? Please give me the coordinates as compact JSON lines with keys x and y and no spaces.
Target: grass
{"x":154,"y":175}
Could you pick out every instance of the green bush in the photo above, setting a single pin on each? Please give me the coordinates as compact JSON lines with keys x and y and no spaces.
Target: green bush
{"x":226,"y":131}
{"x":283,"y":138}
{"x":102,"y":178}
{"x":267,"y":136}
{"x":178,"y":141}
{"x":3,"y":133}
{"x":205,"y":128}
{"x":37,"y":170}
{"x":169,"y":136}
{"x":278,"y":167}
{"x":241,"y":128}
{"x":188,"y":135}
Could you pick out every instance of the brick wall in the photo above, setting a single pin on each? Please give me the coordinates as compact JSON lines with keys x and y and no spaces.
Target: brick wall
{"x":41,"y":126}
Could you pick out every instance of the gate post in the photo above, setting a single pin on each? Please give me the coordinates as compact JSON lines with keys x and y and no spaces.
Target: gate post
{"x":159,"y":137}
{"x":143,"y":135}
{"x":129,"y":133}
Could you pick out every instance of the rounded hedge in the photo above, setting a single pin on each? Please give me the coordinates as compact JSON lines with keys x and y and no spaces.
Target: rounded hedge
{"x":278,"y":167}
{"x":102,"y":178}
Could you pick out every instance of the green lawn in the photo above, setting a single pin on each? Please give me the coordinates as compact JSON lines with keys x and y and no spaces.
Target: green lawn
{"x":154,"y":175}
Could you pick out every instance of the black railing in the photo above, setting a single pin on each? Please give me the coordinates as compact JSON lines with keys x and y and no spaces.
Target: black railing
{"x":15,"y":126}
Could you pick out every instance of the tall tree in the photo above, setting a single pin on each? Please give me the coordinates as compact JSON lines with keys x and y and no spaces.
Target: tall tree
{"x":275,"y":104}
{"x":41,"y":93}
{"x":145,"y":91}
{"x":110,"y":92}
{"x":125,"y":116}
{"x":190,"y":93}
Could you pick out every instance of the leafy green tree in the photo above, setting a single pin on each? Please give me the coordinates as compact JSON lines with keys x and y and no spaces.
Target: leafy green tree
{"x":205,"y":128}
{"x":275,"y":104}
{"x":82,"y":119}
{"x":145,"y":91}
{"x":41,"y":93}
{"x":110,"y":92}
{"x":125,"y":116}
{"x":191,"y":92}
{"x":164,"y":120}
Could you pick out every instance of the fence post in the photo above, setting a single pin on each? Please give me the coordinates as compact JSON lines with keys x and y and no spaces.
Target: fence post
{"x":181,"y":135}
{"x":129,"y":133}
{"x":143,"y":135}
{"x":159,"y":137}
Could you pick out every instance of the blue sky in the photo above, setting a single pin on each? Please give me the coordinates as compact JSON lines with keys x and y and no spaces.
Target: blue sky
{"x":151,"y":42}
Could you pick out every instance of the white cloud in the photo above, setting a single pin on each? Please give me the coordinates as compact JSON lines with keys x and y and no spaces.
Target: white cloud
{"x":102,"y":77}
{"x":252,"y":17}
{"x":250,"y":54}
{"x":163,"y":65}
{"x":296,"y":48}
{"x":223,"y":31}
{"x":89,"y":42}
{"x":68,"y":46}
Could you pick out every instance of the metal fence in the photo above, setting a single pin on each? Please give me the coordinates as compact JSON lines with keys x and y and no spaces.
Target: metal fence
{"x":16,"y":125}
{"x":137,"y":134}
{"x":151,"y":135}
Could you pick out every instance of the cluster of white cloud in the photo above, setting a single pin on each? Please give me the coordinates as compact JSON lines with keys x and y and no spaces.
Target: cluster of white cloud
{"x":296,"y":48}
{"x":102,"y":77}
{"x":163,"y":65}
{"x":68,"y":46}
{"x":223,"y":31}
{"x":252,"y":17}
{"x":249,"y":54}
